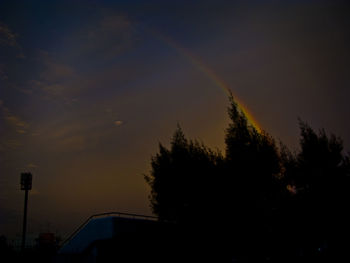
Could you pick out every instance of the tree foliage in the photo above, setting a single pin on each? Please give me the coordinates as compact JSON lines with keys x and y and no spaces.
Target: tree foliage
{"x":319,"y":175}
{"x":252,"y":158}
{"x":260,"y":197}
{"x":181,"y":178}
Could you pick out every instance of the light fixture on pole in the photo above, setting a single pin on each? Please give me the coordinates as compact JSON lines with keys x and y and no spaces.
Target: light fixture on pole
{"x":26,"y":185}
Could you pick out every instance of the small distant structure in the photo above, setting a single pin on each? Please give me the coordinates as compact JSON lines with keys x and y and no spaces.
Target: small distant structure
{"x":114,"y":236}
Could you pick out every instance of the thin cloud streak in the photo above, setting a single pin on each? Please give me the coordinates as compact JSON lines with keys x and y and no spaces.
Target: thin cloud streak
{"x":9,"y":39}
{"x":15,"y":121}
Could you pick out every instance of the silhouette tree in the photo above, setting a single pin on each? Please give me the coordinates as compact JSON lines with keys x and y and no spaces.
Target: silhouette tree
{"x":259,"y":201}
{"x":252,"y":157}
{"x":320,"y":179}
{"x":181,"y":179}
{"x":232,"y":198}
{"x":253,"y":169}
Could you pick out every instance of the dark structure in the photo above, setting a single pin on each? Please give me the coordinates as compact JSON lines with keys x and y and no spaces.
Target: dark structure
{"x":120,"y":237}
{"x":26,"y":185}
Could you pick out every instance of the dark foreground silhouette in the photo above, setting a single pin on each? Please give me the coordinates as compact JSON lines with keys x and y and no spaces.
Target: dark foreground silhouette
{"x":259,"y":202}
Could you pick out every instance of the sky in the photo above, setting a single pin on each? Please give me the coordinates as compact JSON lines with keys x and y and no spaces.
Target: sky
{"x":88,"y":89}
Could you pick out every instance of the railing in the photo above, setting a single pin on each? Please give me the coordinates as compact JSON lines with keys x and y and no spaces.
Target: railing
{"x":115,"y":214}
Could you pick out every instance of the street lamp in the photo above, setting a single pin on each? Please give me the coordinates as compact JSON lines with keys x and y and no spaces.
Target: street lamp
{"x":26,"y":185}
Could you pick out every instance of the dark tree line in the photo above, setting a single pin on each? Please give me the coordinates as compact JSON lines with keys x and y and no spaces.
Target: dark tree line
{"x":258,"y":201}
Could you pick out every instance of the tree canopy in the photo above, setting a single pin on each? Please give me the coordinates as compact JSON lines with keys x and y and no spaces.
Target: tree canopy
{"x":256,"y":193}
{"x":181,"y":178}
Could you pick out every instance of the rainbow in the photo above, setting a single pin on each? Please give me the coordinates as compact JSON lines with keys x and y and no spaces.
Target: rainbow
{"x":213,"y":77}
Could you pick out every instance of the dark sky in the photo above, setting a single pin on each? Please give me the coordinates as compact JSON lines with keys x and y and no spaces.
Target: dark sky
{"x":89,"y":88}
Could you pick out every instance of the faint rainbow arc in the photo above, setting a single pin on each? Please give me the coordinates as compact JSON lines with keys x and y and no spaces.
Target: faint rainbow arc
{"x":214,"y":78}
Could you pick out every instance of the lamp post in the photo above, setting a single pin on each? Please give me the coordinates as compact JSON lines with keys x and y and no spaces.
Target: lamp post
{"x":26,"y":185}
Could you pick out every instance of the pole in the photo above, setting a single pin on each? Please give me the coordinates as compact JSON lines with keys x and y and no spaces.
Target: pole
{"x":24,"y":220}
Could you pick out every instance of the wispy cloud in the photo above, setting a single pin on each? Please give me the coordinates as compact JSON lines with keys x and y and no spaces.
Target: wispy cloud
{"x":78,"y":131}
{"x":66,"y":131}
{"x":100,"y":40}
{"x":111,"y":32}
{"x":118,"y":123}
{"x":54,"y":70}
{"x":15,"y":121}
{"x":63,"y":136}
{"x":73,"y":143}
{"x":10,"y":51}
{"x":9,"y":39}
{"x":54,"y":81}
{"x":9,"y":144}
{"x":3,"y":75}
{"x":104,"y":39}
{"x":32,"y":165}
